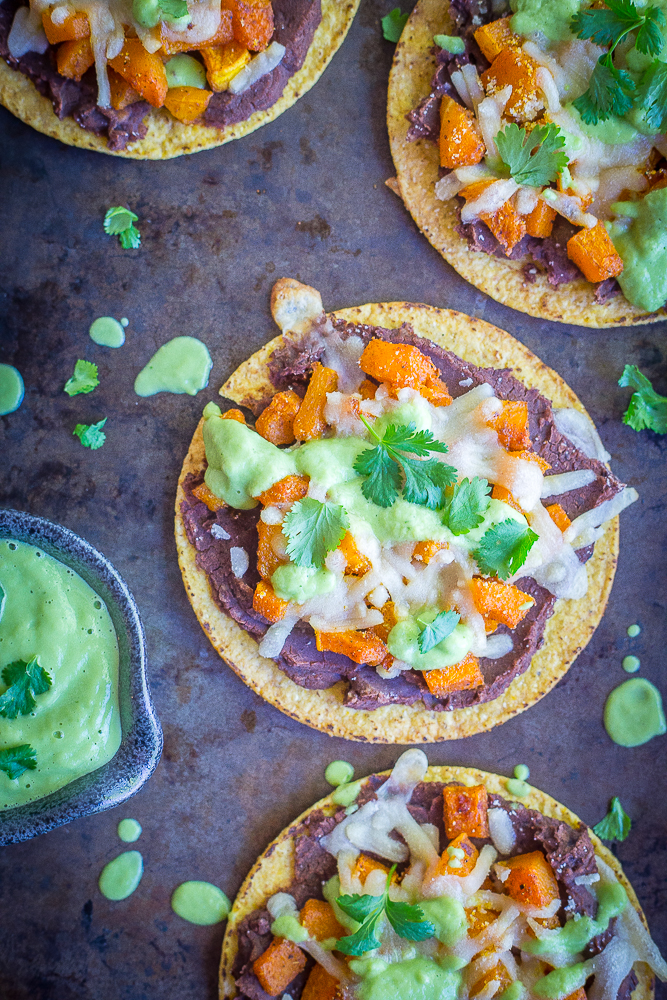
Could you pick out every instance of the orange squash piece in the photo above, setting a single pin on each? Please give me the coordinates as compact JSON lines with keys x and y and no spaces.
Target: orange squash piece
{"x":513,"y":66}
{"x":558,"y":516}
{"x":531,"y":880}
{"x":497,"y":973}
{"x":75,"y":58}
{"x":364,"y":865}
{"x":463,"y":676}
{"x":279,"y":965}
{"x":252,"y":22}
{"x":540,"y":221}
{"x":285,"y":491}
{"x":461,"y":144}
{"x":223,"y":62}
{"x":594,"y":254}
{"x":402,"y":365}
{"x":143,"y":70}
{"x":579,"y":994}
{"x":466,"y":864}
{"x":494,"y":37}
{"x":357,"y":564}
{"x":501,"y":602}
{"x":74,"y":26}
{"x":361,"y":647}
{"x":276,"y":422}
{"x":506,"y":224}
{"x":208,"y":497}
{"x":122,"y":94}
{"x":234,"y":415}
{"x":465,"y":810}
{"x":367,"y":389}
{"x":321,"y":985}
{"x":383,"y":630}
{"x":223,"y":35}
{"x":187,"y":104}
{"x":500,"y":493}
{"x":436,"y":392}
{"x":267,"y":603}
{"x":479,"y":918}
{"x":309,"y":422}
{"x":319,"y":919}
{"x":267,"y":560}
{"x":512,"y":425}
{"x":531,"y":456}
{"x":424,"y":551}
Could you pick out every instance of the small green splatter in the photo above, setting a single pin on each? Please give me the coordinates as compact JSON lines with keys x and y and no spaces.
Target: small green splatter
{"x":522,"y":772}
{"x":633,"y":631}
{"x":339,"y":772}
{"x":129,"y":830}
{"x":631,"y":664}
{"x":517,"y":787}
{"x":200,"y":903}
{"x":121,"y":876}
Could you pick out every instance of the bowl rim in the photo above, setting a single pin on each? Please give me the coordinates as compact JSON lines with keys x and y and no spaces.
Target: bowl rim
{"x":141,"y":734}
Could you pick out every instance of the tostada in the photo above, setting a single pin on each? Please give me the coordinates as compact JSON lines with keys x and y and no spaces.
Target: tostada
{"x":413,"y":535}
{"x":435,"y":885}
{"x":152,"y":79}
{"x":530,"y":148}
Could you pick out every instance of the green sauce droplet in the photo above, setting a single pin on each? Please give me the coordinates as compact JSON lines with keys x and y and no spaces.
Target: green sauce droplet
{"x":633,"y":631}
{"x":181,"y":365}
{"x":11,"y":389}
{"x":347,"y":793}
{"x":107,"y":332}
{"x":517,"y":787}
{"x":129,"y":830}
{"x":522,"y":772}
{"x":200,"y":903}
{"x":121,"y":876}
{"x":631,"y":664}
{"x":634,"y":714}
{"x":339,"y":772}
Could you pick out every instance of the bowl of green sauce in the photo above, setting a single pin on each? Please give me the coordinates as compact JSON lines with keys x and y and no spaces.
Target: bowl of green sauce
{"x":78,"y":731}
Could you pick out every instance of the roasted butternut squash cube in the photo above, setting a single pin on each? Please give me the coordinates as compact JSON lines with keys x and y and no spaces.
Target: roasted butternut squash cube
{"x":594,"y":254}
{"x":540,"y":221}
{"x":506,"y":224}
{"x":465,"y":810}
{"x":501,"y":602}
{"x":531,"y":456}
{"x":461,"y":143}
{"x":267,"y":603}
{"x":207,"y":496}
{"x":319,"y":919}
{"x":361,"y":647}
{"x":511,"y":425}
{"x":143,"y":70}
{"x":479,"y":918}
{"x":402,"y":365}
{"x":285,"y":491}
{"x":75,"y":26}
{"x":74,"y":58}
{"x":425,"y":551}
{"x":436,"y":392}
{"x":579,"y":994}
{"x":223,"y":35}
{"x":252,"y":22}
{"x":498,"y":973}
{"x":531,"y":880}
{"x":223,"y":62}
{"x":500,"y":493}
{"x":268,"y":560}
{"x":558,"y":516}
{"x":494,"y":37}
{"x":357,"y":564}
{"x":309,"y":422}
{"x":514,"y":66}
{"x":390,"y":619}
{"x":122,"y":94}
{"x":452,"y":864}
{"x":463,"y":676}
{"x":187,"y":104}
{"x":321,"y":985}
{"x":367,"y":389}
{"x":279,"y":965}
{"x":364,"y":865}
{"x":234,"y":415}
{"x":276,"y":422}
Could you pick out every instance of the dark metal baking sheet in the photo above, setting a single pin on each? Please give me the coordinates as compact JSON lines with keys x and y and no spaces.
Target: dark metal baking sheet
{"x":304,"y":196}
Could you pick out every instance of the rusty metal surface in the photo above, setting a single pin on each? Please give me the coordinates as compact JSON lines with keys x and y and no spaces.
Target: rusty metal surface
{"x":304,"y":196}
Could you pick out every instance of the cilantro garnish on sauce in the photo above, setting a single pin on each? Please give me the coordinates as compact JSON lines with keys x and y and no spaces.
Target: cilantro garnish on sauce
{"x":647,"y":409}
{"x":389,"y":464}
{"x":533,"y":158}
{"x":14,"y":761}
{"x":25,"y":681}
{"x":119,"y":221}
{"x":84,"y":378}
{"x":433,"y":633}
{"x":314,"y":529}
{"x":652,"y":95}
{"x":610,"y":90}
{"x":393,"y":24}
{"x":408,"y":921}
{"x":467,"y":506}
{"x":91,"y":435}
{"x":504,"y":548}
{"x":616,"y":824}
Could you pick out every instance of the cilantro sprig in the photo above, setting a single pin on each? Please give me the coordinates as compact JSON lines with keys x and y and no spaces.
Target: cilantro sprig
{"x":434,"y":632}
{"x":533,"y":158}
{"x":388,"y":467}
{"x":652,"y":95}
{"x":91,"y":435}
{"x":610,"y":89}
{"x":467,"y":505}
{"x":119,"y":221}
{"x":408,"y":921}
{"x":25,"y":680}
{"x":314,"y":529}
{"x":84,"y":378}
{"x":393,"y":24}
{"x":14,"y":761}
{"x":647,"y":409}
{"x":616,"y":824}
{"x":504,"y":548}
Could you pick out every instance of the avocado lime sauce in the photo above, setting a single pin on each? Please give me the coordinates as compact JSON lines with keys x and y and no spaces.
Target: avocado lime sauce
{"x":544,"y":17}
{"x":633,"y":713}
{"x":403,"y":643}
{"x":181,"y":365}
{"x":339,"y":772}
{"x":447,"y":916}
{"x":107,"y":332}
{"x":11,"y":389}
{"x":121,"y":876}
{"x":129,"y":830}
{"x":633,"y":631}
{"x":517,"y":787}
{"x":418,"y":978}
{"x":185,"y":71}
{"x":200,"y":903}
{"x":573,"y":937}
{"x":643,"y":248}
{"x":287,"y":926}
{"x":562,"y":982}
{"x":631,"y":664}
{"x":50,"y":612}
{"x":346,"y":794}
{"x":301,"y":583}
{"x":241,"y":464}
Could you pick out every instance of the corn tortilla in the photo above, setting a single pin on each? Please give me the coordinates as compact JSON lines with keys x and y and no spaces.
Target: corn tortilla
{"x":274,"y":869}
{"x":567,"y":632}
{"x":417,"y":165}
{"x":166,"y":137}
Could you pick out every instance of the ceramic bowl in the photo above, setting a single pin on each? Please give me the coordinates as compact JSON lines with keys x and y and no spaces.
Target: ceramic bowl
{"x":141,"y":743}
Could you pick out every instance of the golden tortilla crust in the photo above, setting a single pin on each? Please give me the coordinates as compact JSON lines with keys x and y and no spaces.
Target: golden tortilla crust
{"x":567,"y":632}
{"x":417,"y":165}
{"x":274,"y":869}
{"x":166,"y":137}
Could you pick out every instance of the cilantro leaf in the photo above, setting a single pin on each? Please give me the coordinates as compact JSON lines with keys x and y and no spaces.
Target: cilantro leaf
{"x":383,"y":476}
{"x":314,"y":529}
{"x":24,"y":680}
{"x":130,"y":238}
{"x":616,"y":824}
{"x":467,"y":506}
{"x":652,"y":95}
{"x":433,"y":633}
{"x":649,"y":36}
{"x":404,"y":437}
{"x":393,"y":24}
{"x":408,"y":921}
{"x":119,"y":221}
{"x":425,"y":482}
{"x":91,"y":435}
{"x":173,"y":9}
{"x":603,"y":25}
{"x":647,"y":408}
{"x":608,"y":93}
{"x":84,"y":378}
{"x":2,"y":602}
{"x":533,"y":158}
{"x":15,"y":760}
{"x":504,"y":548}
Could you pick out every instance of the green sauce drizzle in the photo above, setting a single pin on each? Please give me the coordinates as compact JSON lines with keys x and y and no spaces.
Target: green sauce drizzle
{"x":11,"y":389}
{"x":129,"y":830}
{"x":339,"y":772}
{"x":121,"y":876}
{"x":107,"y":332}
{"x":633,"y":631}
{"x":200,"y":903}
{"x":634,"y":714}
{"x":631,"y":664}
{"x":181,"y":365}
